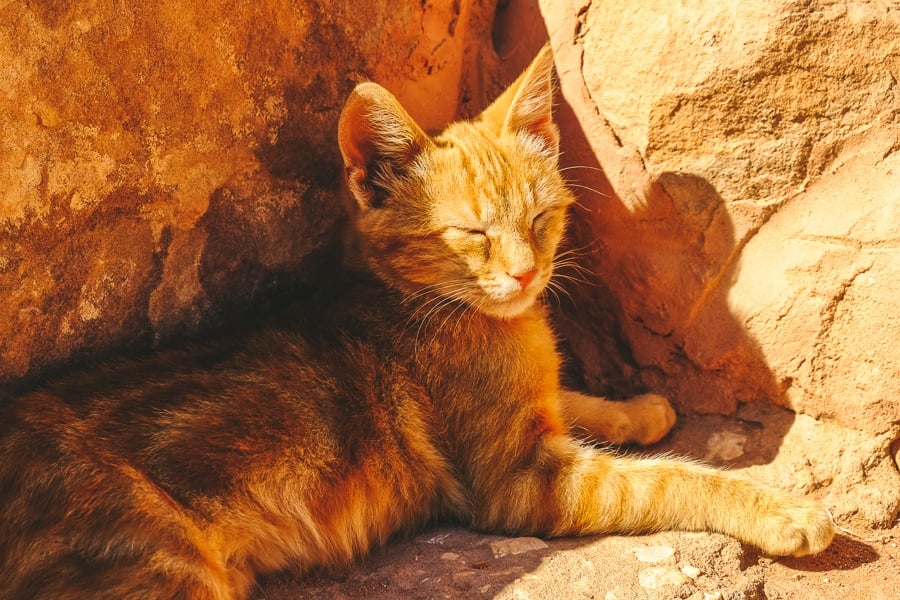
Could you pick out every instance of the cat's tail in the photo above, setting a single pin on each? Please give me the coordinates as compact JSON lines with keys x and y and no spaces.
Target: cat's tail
{"x":572,"y":489}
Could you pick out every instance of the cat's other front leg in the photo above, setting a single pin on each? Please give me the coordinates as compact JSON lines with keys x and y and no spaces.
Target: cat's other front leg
{"x":643,"y":419}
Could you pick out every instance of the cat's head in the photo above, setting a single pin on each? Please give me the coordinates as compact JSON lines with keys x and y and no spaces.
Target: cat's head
{"x":473,"y":213}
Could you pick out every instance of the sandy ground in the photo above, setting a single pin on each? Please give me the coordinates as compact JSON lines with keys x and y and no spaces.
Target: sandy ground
{"x":448,"y":562}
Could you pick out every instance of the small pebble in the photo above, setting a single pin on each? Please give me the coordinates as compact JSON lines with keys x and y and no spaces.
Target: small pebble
{"x":438,"y":538}
{"x":501,"y":548}
{"x":725,"y":445}
{"x":691,"y":571}
{"x":657,"y":577}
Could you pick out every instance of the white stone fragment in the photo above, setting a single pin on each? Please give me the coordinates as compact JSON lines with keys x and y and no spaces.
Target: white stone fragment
{"x":691,"y":571}
{"x":725,"y":445}
{"x":520,"y":545}
{"x":654,"y":578}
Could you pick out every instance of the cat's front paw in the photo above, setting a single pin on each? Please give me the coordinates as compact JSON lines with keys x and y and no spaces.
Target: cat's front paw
{"x":651,"y":416}
{"x":796,"y":528}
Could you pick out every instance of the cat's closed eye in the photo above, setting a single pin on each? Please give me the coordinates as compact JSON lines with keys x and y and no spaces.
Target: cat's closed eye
{"x":539,"y":219}
{"x":542,"y":220}
{"x":474,"y":232}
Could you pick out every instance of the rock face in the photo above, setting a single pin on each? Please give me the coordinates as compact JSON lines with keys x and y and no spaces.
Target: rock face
{"x":165,"y":164}
{"x":739,"y":168}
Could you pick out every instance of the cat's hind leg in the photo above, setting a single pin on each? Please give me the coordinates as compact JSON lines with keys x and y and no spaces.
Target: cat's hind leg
{"x":643,"y":419}
{"x":83,"y":527}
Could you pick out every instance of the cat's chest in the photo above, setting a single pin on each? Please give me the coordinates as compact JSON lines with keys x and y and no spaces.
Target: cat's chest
{"x":490,"y":359}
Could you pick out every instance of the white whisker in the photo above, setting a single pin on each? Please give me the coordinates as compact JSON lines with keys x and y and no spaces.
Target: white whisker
{"x":588,"y":188}
{"x":570,"y":167}
{"x":580,"y":251}
{"x":559,"y":292}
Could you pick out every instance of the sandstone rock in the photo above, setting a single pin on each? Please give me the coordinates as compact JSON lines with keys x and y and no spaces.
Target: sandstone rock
{"x":166,"y":165}
{"x":519,"y":545}
{"x":655,"y":578}
{"x":691,"y":571}
{"x":848,"y":468}
{"x":738,"y":175}
{"x":725,"y":445}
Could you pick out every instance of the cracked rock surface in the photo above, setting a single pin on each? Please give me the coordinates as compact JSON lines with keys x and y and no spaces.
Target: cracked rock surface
{"x":166,"y":166}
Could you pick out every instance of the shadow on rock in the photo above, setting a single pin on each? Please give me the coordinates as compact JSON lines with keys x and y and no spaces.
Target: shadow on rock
{"x":436,"y":564}
{"x":647,"y":306}
{"x":845,"y":553}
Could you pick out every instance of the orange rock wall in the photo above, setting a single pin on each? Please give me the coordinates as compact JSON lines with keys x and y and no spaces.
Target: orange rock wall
{"x":164,"y":165}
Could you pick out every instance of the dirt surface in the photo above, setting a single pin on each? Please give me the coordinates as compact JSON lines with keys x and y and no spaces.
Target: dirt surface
{"x":450,"y":562}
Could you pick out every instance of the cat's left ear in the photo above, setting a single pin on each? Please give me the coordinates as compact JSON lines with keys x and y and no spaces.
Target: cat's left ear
{"x":377,"y":139}
{"x":527,"y":105}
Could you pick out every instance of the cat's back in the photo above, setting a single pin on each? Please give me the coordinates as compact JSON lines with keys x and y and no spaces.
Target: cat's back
{"x":306,"y":438}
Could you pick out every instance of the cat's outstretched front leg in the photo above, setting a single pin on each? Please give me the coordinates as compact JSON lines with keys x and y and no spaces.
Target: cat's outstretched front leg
{"x":643,"y":419}
{"x":570,"y":489}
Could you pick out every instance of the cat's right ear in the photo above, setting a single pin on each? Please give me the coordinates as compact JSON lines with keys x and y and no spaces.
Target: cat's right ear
{"x":378,"y":140}
{"x":527,"y":106}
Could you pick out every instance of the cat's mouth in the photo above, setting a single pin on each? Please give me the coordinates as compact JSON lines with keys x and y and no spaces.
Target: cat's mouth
{"x":509,"y":299}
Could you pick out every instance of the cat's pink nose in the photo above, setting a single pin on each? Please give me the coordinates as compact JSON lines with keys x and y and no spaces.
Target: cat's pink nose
{"x":525,"y":278}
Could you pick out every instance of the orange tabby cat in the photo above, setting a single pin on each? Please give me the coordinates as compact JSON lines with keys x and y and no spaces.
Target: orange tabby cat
{"x":422,"y":386}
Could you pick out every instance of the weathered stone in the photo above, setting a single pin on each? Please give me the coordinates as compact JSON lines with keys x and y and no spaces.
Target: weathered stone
{"x":738,"y":175}
{"x":691,"y":571}
{"x":655,"y":578}
{"x":519,"y":545}
{"x":165,"y":165}
{"x":725,"y":445}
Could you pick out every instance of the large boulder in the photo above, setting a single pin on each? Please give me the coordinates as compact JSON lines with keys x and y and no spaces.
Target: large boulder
{"x":739,"y":186}
{"x":165,"y":165}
